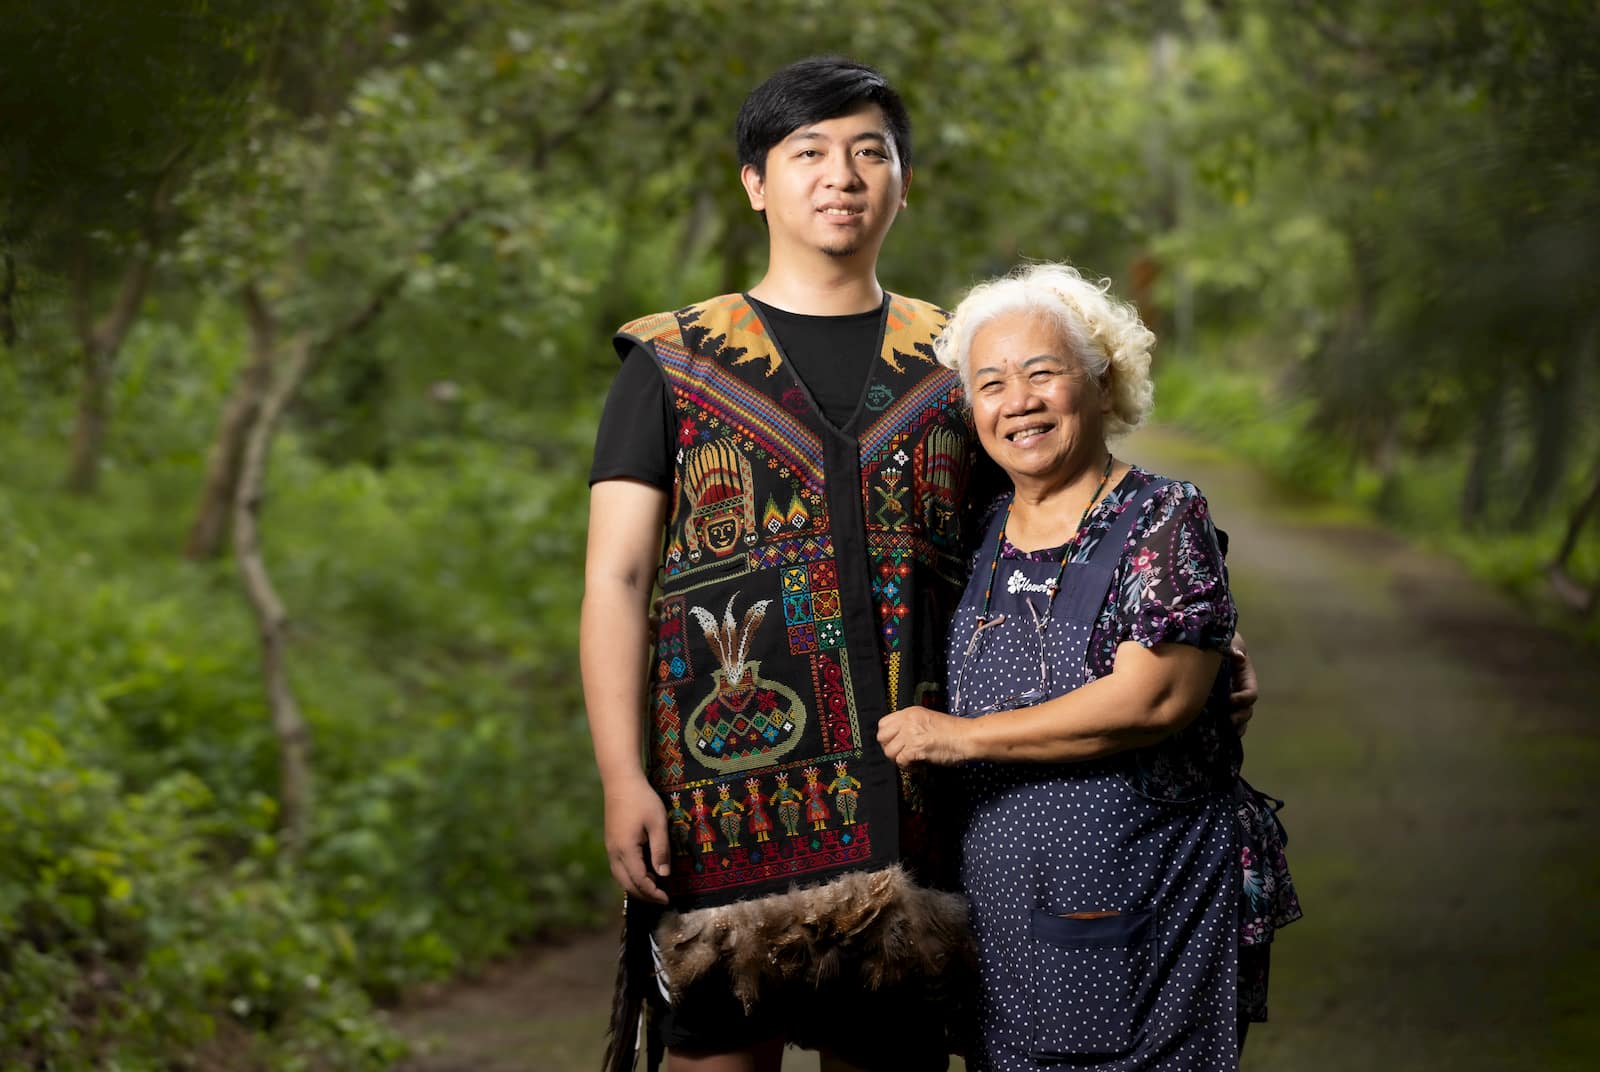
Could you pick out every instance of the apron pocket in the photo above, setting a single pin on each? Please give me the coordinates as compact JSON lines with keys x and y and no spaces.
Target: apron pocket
{"x":1090,"y":980}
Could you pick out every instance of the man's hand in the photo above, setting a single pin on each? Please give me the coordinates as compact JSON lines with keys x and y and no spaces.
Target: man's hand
{"x":636,"y":840}
{"x":1246,"y":690}
{"x":921,"y":735}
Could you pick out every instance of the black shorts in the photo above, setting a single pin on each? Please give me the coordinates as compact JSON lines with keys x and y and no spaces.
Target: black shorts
{"x":877,"y":1031}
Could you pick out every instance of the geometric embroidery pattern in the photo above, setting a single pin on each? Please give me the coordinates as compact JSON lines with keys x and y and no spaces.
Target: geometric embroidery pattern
{"x":666,"y":751}
{"x":672,"y":648}
{"x":748,"y":531}
{"x":889,"y":586}
{"x":791,"y":552}
{"x":838,"y":714}
{"x":811,"y":608}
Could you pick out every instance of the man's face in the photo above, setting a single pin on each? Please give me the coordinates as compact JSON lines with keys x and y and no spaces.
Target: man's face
{"x":833,"y":186}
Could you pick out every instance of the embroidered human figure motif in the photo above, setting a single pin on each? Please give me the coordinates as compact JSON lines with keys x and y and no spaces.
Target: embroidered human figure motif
{"x":703,"y":833}
{"x":722,"y":501}
{"x":846,"y":792}
{"x":787,"y":800}
{"x":680,"y":824}
{"x":816,"y":805}
{"x":727,"y":812}
{"x":891,"y":511}
{"x":759,"y":822}
{"x":747,"y":721}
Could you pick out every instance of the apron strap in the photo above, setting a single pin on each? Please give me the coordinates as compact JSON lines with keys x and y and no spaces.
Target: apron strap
{"x":1093,"y":578}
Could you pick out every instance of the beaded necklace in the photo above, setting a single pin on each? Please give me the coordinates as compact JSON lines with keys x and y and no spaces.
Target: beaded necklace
{"x":1039,"y":621}
{"x":1067,"y":552}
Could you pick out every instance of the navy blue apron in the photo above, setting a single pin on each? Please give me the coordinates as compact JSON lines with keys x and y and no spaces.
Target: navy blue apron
{"x":1106,"y":921}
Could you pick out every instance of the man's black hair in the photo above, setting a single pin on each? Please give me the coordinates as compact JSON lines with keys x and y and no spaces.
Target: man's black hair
{"x":809,"y":91}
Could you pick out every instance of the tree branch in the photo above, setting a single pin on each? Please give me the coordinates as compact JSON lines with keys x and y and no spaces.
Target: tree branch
{"x":363,"y":317}
{"x":544,"y":146}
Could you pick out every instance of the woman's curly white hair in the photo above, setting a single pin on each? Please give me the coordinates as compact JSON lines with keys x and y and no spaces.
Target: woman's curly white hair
{"x":1105,"y":334}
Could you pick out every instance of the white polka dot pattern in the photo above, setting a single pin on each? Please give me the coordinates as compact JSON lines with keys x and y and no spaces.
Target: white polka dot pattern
{"x":1150,"y":986}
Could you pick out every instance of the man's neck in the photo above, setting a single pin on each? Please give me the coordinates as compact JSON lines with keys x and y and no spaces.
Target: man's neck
{"x":831,"y":289}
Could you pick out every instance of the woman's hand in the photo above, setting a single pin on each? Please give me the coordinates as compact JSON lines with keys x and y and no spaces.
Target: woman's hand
{"x":1246,"y":690}
{"x":922,"y":735}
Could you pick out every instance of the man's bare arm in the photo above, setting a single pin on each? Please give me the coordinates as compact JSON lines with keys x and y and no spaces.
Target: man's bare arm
{"x":626,"y":520}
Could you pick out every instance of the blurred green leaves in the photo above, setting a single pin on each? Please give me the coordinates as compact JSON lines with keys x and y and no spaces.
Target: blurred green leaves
{"x":1365,"y":232}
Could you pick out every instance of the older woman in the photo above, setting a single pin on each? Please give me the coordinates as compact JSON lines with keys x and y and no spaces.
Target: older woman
{"x":1101,"y":847}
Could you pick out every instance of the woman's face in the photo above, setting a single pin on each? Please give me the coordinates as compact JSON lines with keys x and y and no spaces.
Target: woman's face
{"x":1039,"y":415}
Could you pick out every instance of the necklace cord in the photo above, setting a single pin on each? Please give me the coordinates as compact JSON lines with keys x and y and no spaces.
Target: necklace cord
{"x":1066,"y":553}
{"x":1054,"y":586}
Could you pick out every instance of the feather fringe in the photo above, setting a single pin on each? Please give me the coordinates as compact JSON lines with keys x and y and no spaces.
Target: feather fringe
{"x":868,"y":929}
{"x":627,"y":999}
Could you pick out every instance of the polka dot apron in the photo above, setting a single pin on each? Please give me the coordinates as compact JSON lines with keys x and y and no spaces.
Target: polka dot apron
{"x":1106,"y":921}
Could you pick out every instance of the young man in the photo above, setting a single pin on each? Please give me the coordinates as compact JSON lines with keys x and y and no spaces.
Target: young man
{"x":793,"y":463}
{"x":794,"y":468}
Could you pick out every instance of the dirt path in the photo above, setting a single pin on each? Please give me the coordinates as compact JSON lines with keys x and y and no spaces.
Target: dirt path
{"x":1440,"y":757}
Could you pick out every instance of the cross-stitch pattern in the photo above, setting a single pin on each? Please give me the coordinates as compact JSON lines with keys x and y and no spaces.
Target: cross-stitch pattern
{"x":757,"y":529}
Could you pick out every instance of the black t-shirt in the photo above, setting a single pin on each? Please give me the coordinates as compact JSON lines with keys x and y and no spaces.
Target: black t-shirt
{"x":831,"y":355}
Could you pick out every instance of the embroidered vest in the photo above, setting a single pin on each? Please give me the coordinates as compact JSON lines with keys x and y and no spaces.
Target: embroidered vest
{"x":808,"y":576}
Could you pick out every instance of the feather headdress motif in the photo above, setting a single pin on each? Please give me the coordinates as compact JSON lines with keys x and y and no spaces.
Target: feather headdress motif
{"x":731,"y":642}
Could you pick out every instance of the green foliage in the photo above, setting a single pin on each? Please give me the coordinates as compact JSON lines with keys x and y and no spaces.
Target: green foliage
{"x":145,"y":913}
{"x":1362,"y":231}
{"x":124,"y":944}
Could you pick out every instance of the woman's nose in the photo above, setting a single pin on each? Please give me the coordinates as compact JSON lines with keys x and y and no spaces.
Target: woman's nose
{"x":1019,"y":396}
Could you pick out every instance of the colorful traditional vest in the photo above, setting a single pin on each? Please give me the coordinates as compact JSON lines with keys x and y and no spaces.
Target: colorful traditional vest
{"x":807,"y":580}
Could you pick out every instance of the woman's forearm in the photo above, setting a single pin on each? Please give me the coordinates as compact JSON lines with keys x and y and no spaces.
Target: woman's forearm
{"x":1150,"y":695}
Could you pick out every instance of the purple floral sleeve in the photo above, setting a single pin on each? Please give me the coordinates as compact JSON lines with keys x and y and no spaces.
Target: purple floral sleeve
{"x":1172,"y":583}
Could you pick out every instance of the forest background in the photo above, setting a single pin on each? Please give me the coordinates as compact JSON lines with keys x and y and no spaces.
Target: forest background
{"x":305,"y":307}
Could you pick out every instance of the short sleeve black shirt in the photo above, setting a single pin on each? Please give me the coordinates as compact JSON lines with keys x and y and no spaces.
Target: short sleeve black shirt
{"x":831,"y":355}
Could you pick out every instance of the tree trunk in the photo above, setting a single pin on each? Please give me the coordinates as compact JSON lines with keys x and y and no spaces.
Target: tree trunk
{"x":100,"y":343}
{"x":210,"y":524}
{"x":1565,"y":586}
{"x":8,"y":298}
{"x":1486,"y":450}
{"x":1550,"y":399}
{"x":286,"y":371}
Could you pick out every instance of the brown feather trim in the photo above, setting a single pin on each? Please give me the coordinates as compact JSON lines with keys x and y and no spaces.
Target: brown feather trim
{"x":867,"y":929}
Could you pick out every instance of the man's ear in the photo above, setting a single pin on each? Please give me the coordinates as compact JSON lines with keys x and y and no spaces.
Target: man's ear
{"x":905,"y":187}
{"x":755,"y":187}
